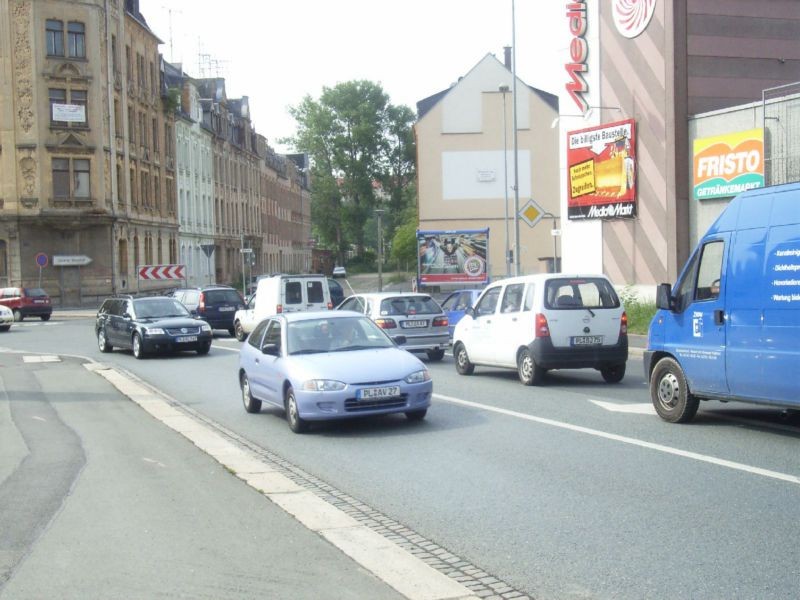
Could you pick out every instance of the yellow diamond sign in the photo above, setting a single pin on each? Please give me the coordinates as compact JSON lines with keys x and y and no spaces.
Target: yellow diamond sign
{"x":531,"y":213}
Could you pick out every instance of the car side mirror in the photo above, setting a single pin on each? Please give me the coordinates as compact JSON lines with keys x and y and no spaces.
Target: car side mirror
{"x":664,"y":299}
{"x":470,"y":311}
{"x":271,"y":349}
{"x":127,"y":315}
{"x":399,"y":339}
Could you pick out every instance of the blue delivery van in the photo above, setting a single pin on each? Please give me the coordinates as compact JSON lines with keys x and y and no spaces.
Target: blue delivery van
{"x":729,"y":329}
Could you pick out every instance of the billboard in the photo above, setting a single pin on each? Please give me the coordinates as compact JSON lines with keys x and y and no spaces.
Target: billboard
{"x":601,"y":171}
{"x":726,"y":165}
{"x":453,"y":257}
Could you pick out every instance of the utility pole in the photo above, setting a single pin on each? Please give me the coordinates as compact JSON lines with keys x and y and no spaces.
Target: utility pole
{"x":379,"y":212}
{"x":516,"y":150}
{"x":506,"y":256}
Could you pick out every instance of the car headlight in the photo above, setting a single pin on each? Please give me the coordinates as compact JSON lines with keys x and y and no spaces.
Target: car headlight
{"x":323,"y":385}
{"x":418,"y":376}
{"x":154,"y":331}
{"x":205,"y":327}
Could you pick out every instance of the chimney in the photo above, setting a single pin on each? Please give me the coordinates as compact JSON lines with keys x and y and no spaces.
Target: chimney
{"x":507,"y":57}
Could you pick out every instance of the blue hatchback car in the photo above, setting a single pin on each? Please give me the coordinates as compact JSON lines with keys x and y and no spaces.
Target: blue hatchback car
{"x":456,"y":304}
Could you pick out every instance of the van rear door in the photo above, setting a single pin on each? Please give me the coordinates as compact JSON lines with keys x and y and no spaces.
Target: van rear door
{"x":305,"y":293}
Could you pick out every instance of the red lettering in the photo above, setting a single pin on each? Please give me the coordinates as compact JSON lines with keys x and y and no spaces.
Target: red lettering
{"x":578,"y":50}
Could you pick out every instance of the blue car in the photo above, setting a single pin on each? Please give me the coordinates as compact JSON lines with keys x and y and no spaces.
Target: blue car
{"x":456,"y":304}
{"x":330,"y":365}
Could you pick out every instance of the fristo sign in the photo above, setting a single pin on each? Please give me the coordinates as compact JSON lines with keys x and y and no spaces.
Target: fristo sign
{"x":727,"y":165}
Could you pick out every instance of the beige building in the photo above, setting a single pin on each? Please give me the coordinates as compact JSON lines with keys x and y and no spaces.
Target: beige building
{"x":465,"y":163}
{"x":86,"y":151}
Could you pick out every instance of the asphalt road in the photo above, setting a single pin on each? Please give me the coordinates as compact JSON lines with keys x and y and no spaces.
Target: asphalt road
{"x":571,"y":490}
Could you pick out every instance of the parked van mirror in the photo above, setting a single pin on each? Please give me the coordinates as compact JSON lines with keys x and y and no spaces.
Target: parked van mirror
{"x":663,"y":298}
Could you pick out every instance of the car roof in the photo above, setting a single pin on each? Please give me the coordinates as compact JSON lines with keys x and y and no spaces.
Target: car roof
{"x":310,"y":315}
{"x":547,"y":276}
{"x":383,"y":295}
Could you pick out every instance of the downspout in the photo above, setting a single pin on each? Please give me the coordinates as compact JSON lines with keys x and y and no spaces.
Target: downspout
{"x":112,"y":148}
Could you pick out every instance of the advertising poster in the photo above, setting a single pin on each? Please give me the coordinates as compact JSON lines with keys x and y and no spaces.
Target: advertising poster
{"x":601,"y":171}
{"x":453,"y":256}
{"x":726,"y":165}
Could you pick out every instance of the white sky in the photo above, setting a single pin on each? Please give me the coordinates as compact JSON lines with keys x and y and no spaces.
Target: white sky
{"x":277,"y":52}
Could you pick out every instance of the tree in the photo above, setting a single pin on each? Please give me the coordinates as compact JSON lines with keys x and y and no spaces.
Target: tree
{"x":404,"y":242}
{"x":355,"y":137}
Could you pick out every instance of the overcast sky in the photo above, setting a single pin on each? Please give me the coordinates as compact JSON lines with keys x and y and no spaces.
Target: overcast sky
{"x":278,"y":52}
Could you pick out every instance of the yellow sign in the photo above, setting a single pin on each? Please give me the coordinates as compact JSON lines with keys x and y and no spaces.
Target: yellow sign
{"x":531,"y":213}
{"x":581,"y":179}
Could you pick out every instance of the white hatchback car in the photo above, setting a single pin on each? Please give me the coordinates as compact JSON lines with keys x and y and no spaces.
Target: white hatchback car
{"x":534,"y":323}
{"x":6,"y":318}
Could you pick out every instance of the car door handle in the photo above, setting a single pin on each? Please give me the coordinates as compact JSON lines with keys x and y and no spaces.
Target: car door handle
{"x":513,"y":318}
{"x":719,"y":316}
{"x":258,"y":362}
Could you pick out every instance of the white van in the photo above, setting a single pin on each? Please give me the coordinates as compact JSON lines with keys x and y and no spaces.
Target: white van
{"x":534,"y":323}
{"x":281,"y":294}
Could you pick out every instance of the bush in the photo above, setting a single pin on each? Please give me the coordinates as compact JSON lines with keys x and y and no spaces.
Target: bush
{"x":639,"y":312}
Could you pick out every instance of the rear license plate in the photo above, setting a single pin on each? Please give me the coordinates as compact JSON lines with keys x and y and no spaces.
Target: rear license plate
{"x":186,"y":338}
{"x":378,"y":392}
{"x":38,"y":301}
{"x":226,"y":308}
{"x":414,"y":324}
{"x":587,"y":340}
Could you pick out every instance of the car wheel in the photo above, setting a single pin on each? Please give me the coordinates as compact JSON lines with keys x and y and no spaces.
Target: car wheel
{"x":5,"y":327}
{"x":416,"y":415}
{"x":529,"y":372}
{"x":232,"y":331}
{"x":435,"y":355}
{"x":18,"y":315}
{"x":251,"y":405}
{"x":670,"y":393}
{"x":45,"y":317}
{"x":239,"y":331}
{"x":136,"y":345}
{"x":463,"y":366}
{"x":203,"y":350}
{"x":613,"y":374}
{"x":102,"y":342}
{"x":296,"y":423}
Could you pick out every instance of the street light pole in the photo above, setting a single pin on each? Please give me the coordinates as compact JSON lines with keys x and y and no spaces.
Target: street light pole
{"x":379,"y":212}
{"x":504,"y":91}
{"x":516,"y":150}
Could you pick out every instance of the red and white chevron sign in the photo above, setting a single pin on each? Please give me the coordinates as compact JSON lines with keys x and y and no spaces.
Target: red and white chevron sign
{"x":161,"y":271}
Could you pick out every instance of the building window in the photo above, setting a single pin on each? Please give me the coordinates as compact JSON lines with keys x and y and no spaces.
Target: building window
{"x":54,"y":31}
{"x":71,"y":178}
{"x":76,"y":39}
{"x":155,"y":135}
{"x":114,"y":59}
{"x":120,"y":186}
{"x":128,"y":66}
{"x":157,"y":191}
{"x":134,"y":196}
{"x":136,"y":252}
{"x":66,"y":114}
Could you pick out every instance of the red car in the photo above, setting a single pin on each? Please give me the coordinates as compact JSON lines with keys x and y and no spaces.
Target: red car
{"x":27,"y":302}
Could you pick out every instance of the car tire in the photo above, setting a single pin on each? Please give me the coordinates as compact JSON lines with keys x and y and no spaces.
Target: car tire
{"x":18,"y":315}
{"x":239,"y":331}
{"x":296,"y":422}
{"x":251,"y":405}
{"x":5,"y":327}
{"x":203,"y":350}
{"x":528,"y":371}
{"x":416,"y":415}
{"x":45,"y":317}
{"x":463,"y":365}
{"x":613,"y":374}
{"x":102,"y":341}
{"x":232,"y":331}
{"x":670,"y":393}
{"x":435,"y":355}
{"x":136,"y":346}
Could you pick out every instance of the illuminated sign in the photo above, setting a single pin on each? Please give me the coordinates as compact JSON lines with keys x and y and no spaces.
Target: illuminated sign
{"x":727,"y":165}
{"x":578,"y":54}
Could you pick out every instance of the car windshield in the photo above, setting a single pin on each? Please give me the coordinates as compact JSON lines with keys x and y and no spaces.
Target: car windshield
{"x":222,"y":297}
{"x":159,"y":308}
{"x":410,"y":305}
{"x":314,"y":336}
{"x":35,"y":293}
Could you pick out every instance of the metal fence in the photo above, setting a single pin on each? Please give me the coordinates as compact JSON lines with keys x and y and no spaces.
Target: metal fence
{"x":781,"y":110}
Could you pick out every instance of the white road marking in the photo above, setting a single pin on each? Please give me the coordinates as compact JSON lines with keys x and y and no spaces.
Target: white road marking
{"x":39,"y":419}
{"x":155,"y":462}
{"x":216,"y":347}
{"x":645,"y":408}
{"x":41,"y":359}
{"x":721,"y":462}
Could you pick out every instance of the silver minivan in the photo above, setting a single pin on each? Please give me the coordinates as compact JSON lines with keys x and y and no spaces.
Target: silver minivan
{"x":535,"y":323}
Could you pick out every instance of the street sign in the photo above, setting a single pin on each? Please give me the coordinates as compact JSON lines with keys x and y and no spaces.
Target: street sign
{"x":70,"y":260}
{"x":531,"y":213}
{"x":41,"y":259}
{"x":208,"y":249}
{"x":246,"y":250}
{"x":161,"y":272}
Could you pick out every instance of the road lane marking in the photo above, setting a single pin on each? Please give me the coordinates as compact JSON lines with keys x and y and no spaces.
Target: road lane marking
{"x":645,"y":408}
{"x":721,"y":462}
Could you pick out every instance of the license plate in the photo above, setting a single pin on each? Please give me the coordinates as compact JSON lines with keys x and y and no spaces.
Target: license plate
{"x":227,"y":308}
{"x":186,"y":338}
{"x":414,"y":324}
{"x":38,"y":301}
{"x":587,"y":340}
{"x":378,"y":392}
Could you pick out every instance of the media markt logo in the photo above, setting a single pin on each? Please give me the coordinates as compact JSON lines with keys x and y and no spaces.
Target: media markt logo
{"x":631,"y":17}
{"x":612,"y":210}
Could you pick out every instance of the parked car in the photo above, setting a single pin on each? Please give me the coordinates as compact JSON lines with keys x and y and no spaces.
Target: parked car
{"x":456,"y":304}
{"x":280,"y":293}
{"x":6,"y":318}
{"x":337,"y":292}
{"x":150,"y":325}
{"x":414,"y":317}
{"x":534,"y":323}
{"x":339,"y":272}
{"x":215,"y":304}
{"x":27,"y":302}
{"x":330,"y":365}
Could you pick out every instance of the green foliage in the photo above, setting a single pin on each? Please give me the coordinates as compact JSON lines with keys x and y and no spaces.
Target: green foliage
{"x":173,"y":100}
{"x":639,"y":312}
{"x":366,"y":263}
{"x":404,"y":244}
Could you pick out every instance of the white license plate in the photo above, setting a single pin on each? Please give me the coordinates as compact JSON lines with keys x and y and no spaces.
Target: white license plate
{"x":38,"y":301}
{"x":226,"y":308}
{"x":414,"y":324}
{"x":186,"y":338}
{"x":378,"y":392}
{"x":587,"y":340}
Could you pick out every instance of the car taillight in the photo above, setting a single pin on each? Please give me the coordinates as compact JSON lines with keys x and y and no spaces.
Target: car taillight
{"x":386,"y":323}
{"x":202,"y":305}
{"x":440,"y":322}
{"x":623,"y":324}
{"x":279,"y":308}
{"x":542,"y":328}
